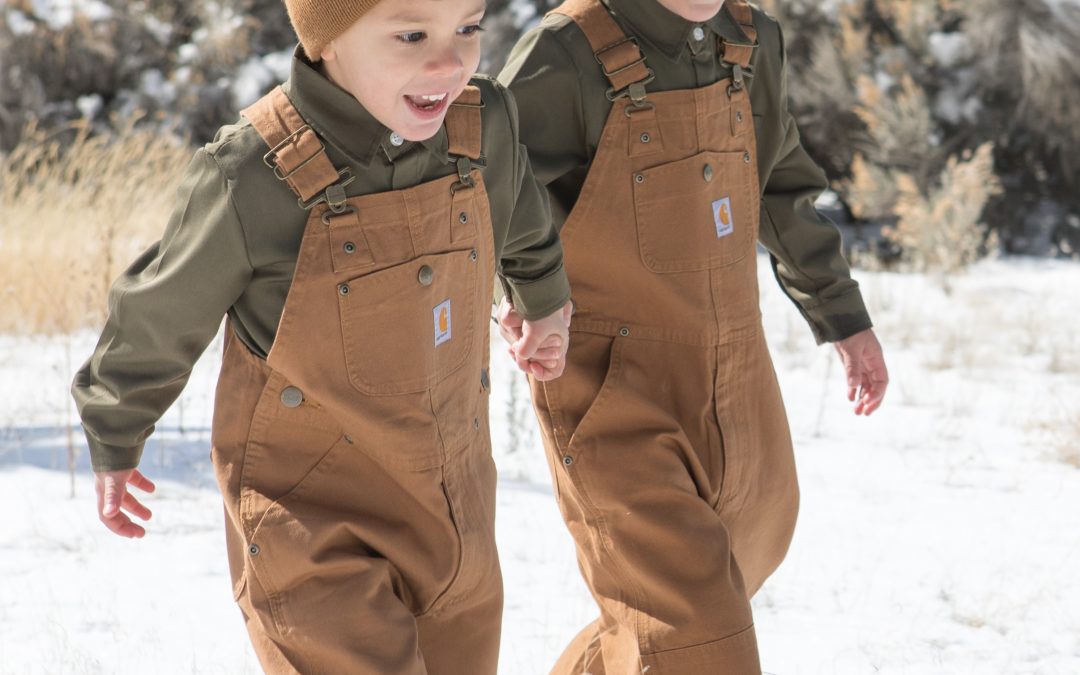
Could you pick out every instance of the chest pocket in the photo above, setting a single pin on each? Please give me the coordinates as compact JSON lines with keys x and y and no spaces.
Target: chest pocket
{"x":408,"y":321}
{"x":697,"y":213}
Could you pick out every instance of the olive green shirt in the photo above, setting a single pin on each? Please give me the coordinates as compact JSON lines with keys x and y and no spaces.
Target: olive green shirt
{"x":232,"y":242}
{"x":560,"y":91}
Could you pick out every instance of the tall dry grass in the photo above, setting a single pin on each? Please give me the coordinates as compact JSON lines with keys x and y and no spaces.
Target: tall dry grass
{"x":75,"y":209}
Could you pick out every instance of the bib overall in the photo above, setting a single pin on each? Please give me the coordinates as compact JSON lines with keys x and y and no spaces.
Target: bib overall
{"x":668,"y":439}
{"x":355,"y":460}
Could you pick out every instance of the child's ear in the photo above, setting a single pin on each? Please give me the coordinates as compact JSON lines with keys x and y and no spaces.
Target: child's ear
{"x":329,"y":53}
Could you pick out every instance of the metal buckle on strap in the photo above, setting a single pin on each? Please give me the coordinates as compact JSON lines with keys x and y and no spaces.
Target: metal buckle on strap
{"x":738,"y":73}
{"x":635,"y":90}
{"x":481,"y":105}
{"x":465,"y":179}
{"x":334,"y":195}
{"x":613,"y":45}
{"x":270,"y":158}
{"x":724,"y":44}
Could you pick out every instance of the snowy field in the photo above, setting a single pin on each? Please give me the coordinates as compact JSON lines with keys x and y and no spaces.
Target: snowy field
{"x":942,"y":535}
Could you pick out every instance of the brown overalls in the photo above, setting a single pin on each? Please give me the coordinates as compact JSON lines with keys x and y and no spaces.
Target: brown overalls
{"x":355,"y":461}
{"x":669,"y":442}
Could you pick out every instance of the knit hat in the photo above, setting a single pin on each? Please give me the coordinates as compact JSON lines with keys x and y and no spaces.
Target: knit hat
{"x":318,"y":23}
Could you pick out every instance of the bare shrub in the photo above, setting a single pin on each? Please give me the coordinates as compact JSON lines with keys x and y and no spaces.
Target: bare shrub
{"x":940,"y":230}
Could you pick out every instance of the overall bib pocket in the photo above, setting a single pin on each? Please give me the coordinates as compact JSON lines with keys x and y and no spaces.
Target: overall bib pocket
{"x":406,"y":328}
{"x":697,"y":213}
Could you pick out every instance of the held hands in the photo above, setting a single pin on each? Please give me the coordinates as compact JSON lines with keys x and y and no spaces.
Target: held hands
{"x":538,"y":347}
{"x":113,"y":495}
{"x":864,"y":366}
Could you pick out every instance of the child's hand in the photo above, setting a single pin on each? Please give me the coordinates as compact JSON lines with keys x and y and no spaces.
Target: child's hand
{"x":538,"y":347}
{"x":113,"y":495}
{"x":864,"y":366}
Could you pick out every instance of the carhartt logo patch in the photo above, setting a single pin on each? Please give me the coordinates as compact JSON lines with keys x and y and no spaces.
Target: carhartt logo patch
{"x":721,"y":211}
{"x":443,"y":325}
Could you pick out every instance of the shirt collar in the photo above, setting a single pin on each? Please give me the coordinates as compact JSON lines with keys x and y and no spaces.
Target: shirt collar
{"x":667,"y":31}
{"x":337,"y":117}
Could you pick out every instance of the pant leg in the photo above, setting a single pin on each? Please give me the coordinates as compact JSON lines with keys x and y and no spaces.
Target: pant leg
{"x":639,"y":462}
{"x":342,"y":565}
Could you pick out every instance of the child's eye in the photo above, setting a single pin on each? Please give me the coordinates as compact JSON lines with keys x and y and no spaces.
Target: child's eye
{"x":470,"y":30}
{"x":410,"y":38}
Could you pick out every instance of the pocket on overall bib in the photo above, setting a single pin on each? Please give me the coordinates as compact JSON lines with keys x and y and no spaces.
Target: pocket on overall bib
{"x":697,"y":213}
{"x":409,"y":326}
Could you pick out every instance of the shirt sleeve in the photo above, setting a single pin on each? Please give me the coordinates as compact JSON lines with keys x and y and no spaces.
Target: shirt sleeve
{"x":531,"y":267}
{"x":804,"y":246}
{"x":163,"y":312}
{"x":538,"y":68}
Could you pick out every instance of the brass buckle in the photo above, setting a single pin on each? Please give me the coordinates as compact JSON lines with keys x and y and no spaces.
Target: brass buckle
{"x":738,"y":78}
{"x":635,"y":90}
{"x":270,"y":158}
{"x":333,"y":195}
{"x":465,"y":179}
{"x":330,"y":214}
{"x":479,"y":106}
{"x":613,"y":45}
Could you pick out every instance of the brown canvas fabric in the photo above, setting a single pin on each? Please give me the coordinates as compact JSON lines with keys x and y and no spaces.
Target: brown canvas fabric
{"x":355,"y":461}
{"x":667,"y":435}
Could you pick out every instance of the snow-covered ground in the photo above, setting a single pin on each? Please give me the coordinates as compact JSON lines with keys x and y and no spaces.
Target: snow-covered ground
{"x":942,"y":535}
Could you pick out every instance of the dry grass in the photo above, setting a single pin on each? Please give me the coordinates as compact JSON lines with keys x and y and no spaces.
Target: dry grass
{"x":77,"y":208}
{"x":1062,"y":435}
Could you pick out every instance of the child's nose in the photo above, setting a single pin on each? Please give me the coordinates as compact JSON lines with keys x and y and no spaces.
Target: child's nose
{"x":447,"y":62}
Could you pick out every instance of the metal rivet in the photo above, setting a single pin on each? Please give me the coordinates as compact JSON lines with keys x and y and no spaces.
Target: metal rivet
{"x":638,"y":178}
{"x":426,"y":275}
{"x":708,"y":173}
{"x":645,"y":138}
{"x":625,"y":332}
{"x":463,"y":217}
{"x":253,"y":549}
{"x":568,"y":460}
{"x":348,"y":439}
{"x":396,"y":139}
{"x":291,"y":397}
{"x":472,"y":255}
{"x":476,"y":423}
{"x":343,"y":289}
{"x":738,"y":116}
{"x":699,"y":33}
{"x":349,"y":247}
{"x":746,"y":158}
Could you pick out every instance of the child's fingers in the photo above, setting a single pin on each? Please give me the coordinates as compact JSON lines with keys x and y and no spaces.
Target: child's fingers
{"x":548,"y":354}
{"x":553,"y":341}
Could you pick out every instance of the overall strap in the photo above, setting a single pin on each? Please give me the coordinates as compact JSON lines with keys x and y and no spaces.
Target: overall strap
{"x":619,"y":56}
{"x":463,"y":124}
{"x":297,"y":155}
{"x":464,"y":134}
{"x":738,"y":55}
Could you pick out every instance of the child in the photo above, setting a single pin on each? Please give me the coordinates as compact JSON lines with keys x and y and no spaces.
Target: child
{"x":351,"y":229}
{"x":661,"y":130}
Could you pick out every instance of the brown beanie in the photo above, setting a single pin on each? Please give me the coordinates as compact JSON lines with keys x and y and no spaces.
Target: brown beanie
{"x":318,"y":22}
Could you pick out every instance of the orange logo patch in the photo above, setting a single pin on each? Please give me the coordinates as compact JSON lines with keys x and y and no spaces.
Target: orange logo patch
{"x":443,"y":324}
{"x":722,"y":217}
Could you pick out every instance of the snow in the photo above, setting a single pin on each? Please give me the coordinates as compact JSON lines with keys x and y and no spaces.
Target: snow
{"x":938,"y":536}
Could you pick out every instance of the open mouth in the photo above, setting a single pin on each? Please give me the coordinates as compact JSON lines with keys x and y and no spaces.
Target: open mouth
{"x":428,"y":104}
